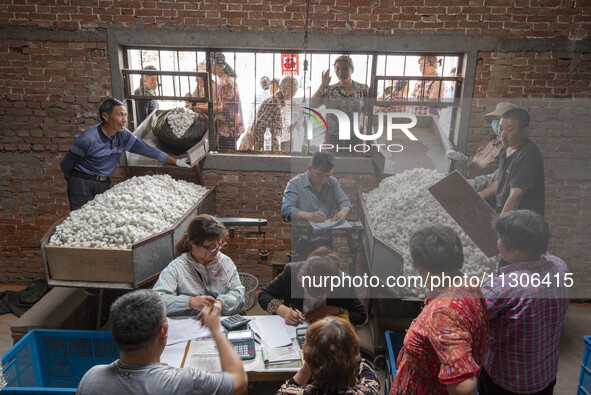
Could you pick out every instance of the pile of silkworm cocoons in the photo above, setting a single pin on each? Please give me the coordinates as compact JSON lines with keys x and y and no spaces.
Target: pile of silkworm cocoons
{"x":131,"y":211}
{"x":180,"y":119}
{"x":401,"y":204}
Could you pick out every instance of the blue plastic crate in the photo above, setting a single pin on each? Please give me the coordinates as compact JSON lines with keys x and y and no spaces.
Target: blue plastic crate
{"x":394,"y":341}
{"x":585,"y":378}
{"x":54,"y":361}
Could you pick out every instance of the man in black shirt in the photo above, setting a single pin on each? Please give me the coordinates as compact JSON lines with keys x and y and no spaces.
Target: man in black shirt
{"x":519,"y":180}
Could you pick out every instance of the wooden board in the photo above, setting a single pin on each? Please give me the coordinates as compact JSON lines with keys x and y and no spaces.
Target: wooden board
{"x":90,"y":264}
{"x":468,"y":209}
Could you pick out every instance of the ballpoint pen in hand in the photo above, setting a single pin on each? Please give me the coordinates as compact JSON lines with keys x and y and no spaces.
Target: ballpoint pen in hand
{"x":301,"y":318}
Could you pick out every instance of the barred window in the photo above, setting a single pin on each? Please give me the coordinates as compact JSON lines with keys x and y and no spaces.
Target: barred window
{"x":231,"y":89}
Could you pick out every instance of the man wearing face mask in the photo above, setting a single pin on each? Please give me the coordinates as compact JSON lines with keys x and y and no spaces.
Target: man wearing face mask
{"x":486,"y":159}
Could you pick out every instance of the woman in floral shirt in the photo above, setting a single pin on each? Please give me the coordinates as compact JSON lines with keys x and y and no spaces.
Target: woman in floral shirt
{"x":331,"y":354}
{"x":346,"y":95}
{"x":445,"y":345}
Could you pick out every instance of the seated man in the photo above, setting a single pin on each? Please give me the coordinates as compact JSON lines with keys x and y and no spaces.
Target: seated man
{"x":314,"y":196}
{"x":140,"y":330}
{"x":526,"y":307}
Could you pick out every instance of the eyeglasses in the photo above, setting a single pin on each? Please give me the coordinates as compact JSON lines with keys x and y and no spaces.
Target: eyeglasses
{"x":216,"y":249}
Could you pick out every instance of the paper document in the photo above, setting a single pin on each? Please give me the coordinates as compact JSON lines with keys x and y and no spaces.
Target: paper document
{"x":203,"y":354}
{"x":173,"y":354}
{"x":339,"y":224}
{"x":182,"y":329}
{"x":271,"y":329}
{"x":281,"y":354}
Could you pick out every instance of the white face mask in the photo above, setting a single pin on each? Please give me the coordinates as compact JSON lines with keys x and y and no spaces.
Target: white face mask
{"x":495,"y":126}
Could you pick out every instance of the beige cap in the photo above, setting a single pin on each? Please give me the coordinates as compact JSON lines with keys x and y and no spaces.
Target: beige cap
{"x":501,"y":108}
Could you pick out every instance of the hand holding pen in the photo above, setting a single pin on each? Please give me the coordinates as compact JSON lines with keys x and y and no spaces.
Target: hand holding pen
{"x":201,"y":302}
{"x":295,"y":316}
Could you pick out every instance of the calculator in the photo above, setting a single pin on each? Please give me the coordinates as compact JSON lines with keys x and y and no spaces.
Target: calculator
{"x":243,"y":342}
{"x":234,"y":322}
{"x":301,"y":336}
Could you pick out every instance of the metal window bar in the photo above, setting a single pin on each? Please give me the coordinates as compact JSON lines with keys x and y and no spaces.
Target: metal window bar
{"x":434,"y":103}
{"x":370,"y":76}
{"x":129,"y":73}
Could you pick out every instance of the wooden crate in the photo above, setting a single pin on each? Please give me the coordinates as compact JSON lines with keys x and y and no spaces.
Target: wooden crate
{"x":118,"y":268}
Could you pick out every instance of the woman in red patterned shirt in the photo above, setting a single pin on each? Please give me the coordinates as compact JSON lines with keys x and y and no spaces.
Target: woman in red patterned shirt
{"x":445,"y":344}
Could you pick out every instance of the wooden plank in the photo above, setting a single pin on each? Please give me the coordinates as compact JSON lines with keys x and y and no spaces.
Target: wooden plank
{"x":90,"y":264}
{"x":468,"y":209}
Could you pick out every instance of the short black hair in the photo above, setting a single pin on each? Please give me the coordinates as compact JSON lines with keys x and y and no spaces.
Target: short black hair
{"x":519,"y":115}
{"x":436,"y":249}
{"x":323,"y":161}
{"x":523,"y":230}
{"x":136,"y":319}
{"x":107,"y":107}
{"x":151,"y":68}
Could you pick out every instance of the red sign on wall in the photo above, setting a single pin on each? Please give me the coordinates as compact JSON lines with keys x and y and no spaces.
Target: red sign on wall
{"x":290,"y":64}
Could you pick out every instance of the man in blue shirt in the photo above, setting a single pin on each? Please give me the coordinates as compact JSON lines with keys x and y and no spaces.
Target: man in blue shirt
{"x":315,"y":196}
{"x":92,"y":158}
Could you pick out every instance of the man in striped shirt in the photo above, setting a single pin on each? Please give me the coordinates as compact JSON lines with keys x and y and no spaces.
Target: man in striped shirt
{"x":527,"y":303}
{"x":92,"y":158}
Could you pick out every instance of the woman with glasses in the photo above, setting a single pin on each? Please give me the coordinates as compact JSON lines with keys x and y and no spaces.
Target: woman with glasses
{"x":201,"y":274}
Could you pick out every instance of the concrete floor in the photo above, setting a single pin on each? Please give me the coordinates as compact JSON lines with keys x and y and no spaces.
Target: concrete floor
{"x":572,"y":347}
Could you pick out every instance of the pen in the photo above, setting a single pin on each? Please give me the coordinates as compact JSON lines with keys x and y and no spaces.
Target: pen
{"x":301,"y":319}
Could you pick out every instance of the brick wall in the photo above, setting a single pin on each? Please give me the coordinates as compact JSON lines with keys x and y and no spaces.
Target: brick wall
{"x":52,"y":87}
{"x":514,"y":18}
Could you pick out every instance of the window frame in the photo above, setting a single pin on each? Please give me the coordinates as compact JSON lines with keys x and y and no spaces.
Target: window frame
{"x":271,"y":41}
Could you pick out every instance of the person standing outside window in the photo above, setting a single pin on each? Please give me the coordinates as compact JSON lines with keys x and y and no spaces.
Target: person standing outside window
{"x":346,"y":95}
{"x":148,"y":86}
{"x":228,"y":118}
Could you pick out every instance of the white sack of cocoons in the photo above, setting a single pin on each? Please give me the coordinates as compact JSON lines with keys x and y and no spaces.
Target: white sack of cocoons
{"x":402,"y":203}
{"x":180,"y":119}
{"x":131,"y":211}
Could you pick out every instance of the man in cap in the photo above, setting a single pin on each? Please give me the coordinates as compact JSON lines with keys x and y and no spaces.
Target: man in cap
{"x":92,"y":158}
{"x":486,"y":159}
{"x":140,"y":329}
{"x":148,"y":86}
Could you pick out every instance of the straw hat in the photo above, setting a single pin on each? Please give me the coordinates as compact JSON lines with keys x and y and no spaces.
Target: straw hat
{"x":501,"y":108}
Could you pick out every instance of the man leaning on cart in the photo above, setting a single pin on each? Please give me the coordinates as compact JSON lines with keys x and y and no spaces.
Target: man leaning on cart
{"x":92,"y":158}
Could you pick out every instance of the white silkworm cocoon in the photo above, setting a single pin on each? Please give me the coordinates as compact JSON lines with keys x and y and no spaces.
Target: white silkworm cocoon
{"x":131,"y":211}
{"x":401,"y":204}
{"x":180,"y":119}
